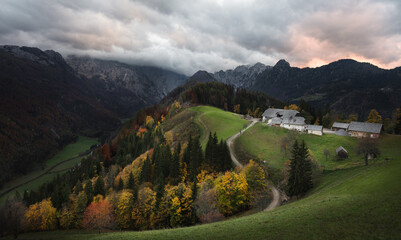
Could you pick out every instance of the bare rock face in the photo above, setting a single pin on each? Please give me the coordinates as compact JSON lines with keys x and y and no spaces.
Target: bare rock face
{"x":144,"y":85}
{"x":243,"y":76}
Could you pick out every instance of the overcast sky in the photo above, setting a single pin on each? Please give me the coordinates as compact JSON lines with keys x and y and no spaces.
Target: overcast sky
{"x":187,"y":36}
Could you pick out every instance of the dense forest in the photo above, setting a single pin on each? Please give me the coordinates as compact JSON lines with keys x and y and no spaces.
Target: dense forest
{"x":142,"y":179}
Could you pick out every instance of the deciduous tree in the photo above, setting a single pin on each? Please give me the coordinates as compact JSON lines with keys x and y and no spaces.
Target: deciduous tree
{"x":99,"y":215}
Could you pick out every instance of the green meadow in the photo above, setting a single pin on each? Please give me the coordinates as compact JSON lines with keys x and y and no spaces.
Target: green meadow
{"x":36,"y":178}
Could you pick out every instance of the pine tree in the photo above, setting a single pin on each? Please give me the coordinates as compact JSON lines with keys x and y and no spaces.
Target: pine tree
{"x":120,"y":185}
{"x":146,"y":170}
{"x":99,"y":187}
{"x":300,"y":176}
{"x":78,"y":187}
{"x":131,"y":181}
{"x":209,"y":150}
{"x":196,"y":157}
{"x":159,"y":190}
{"x":89,"y":191}
{"x":175,"y":166}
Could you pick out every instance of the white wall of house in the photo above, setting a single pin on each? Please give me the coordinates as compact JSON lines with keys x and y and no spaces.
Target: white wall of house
{"x":320,"y":133}
{"x":300,"y":128}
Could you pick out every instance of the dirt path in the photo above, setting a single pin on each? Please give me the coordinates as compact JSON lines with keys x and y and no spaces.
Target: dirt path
{"x":230,"y":143}
{"x":276,"y":200}
{"x":207,"y":131}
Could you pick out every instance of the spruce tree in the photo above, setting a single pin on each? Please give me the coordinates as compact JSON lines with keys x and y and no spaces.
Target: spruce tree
{"x":78,"y":187}
{"x":131,"y":181}
{"x":159,"y":190}
{"x":196,"y":157}
{"x":99,"y":187}
{"x":146,"y":170}
{"x":89,"y":191}
{"x":209,"y":150}
{"x":175,"y":166}
{"x":120,"y":185}
{"x":300,"y":176}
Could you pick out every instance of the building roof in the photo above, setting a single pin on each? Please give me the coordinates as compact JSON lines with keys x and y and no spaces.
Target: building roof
{"x":365,"y":127}
{"x":294,"y":121}
{"x":276,"y":120}
{"x":314,"y":127}
{"x":283,"y":113}
{"x":340,"y":125}
{"x":341,"y":132}
{"x":340,"y":148}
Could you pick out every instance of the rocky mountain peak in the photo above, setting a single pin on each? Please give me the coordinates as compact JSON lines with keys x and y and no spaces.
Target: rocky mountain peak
{"x":48,"y":57}
{"x":282,"y":64}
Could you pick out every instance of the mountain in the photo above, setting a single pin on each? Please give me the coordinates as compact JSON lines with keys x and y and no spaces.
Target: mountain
{"x":134,"y":86}
{"x":44,"y":105}
{"x":346,"y":85}
{"x":243,"y":76}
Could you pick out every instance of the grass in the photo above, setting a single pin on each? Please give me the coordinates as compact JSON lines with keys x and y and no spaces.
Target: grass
{"x":361,"y":202}
{"x":351,"y":202}
{"x":224,"y":123}
{"x":69,"y":151}
{"x":264,"y":142}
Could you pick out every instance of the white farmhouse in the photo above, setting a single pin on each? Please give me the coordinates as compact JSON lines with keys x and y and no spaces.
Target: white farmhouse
{"x":315,"y":129}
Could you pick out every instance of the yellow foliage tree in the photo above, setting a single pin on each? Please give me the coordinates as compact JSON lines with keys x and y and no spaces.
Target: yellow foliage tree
{"x":149,"y":121}
{"x":374,"y":117}
{"x":293,"y":107}
{"x":123,"y":210}
{"x":169,"y":137}
{"x":41,"y":216}
{"x":232,"y":191}
{"x":237,"y":108}
{"x":67,"y":219}
{"x":144,"y":208}
{"x":179,"y":203}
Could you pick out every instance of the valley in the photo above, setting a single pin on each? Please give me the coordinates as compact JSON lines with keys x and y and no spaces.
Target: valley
{"x":349,"y":200}
{"x":63,"y":161}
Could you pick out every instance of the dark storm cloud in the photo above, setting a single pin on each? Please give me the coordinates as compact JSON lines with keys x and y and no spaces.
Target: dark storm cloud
{"x":209,"y":34}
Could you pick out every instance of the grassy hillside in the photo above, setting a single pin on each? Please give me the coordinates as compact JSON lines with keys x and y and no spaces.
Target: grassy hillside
{"x":70,"y":151}
{"x":264,"y":142}
{"x":224,"y":123}
{"x":361,"y":202}
{"x":351,"y":202}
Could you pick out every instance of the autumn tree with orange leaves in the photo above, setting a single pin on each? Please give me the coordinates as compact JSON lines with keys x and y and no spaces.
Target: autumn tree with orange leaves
{"x":99,"y":215}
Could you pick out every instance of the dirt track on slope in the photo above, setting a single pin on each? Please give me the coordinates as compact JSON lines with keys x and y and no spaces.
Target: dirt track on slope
{"x":276,"y":202}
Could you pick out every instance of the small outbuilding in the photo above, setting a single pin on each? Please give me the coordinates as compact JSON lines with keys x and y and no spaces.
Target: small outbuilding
{"x":342,"y":153}
{"x":314,"y":129}
{"x":339,"y":126}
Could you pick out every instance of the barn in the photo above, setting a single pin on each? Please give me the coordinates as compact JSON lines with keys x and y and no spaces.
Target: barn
{"x":294,"y":123}
{"x":363,"y":129}
{"x":315,"y":129}
{"x":339,"y":126}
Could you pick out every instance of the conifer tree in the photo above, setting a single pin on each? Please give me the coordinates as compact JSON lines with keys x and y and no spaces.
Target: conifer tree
{"x":300,"y":176}
{"x":89,"y":191}
{"x":99,"y":187}
{"x":78,"y":187}
{"x":131,"y":181}
{"x":120,"y":185}
{"x":146,"y":170}
{"x":175,"y":166}
{"x":196,"y":157}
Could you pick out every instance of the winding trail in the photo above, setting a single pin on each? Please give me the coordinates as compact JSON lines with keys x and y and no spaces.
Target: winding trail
{"x":207,"y":131}
{"x":230,"y":143}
